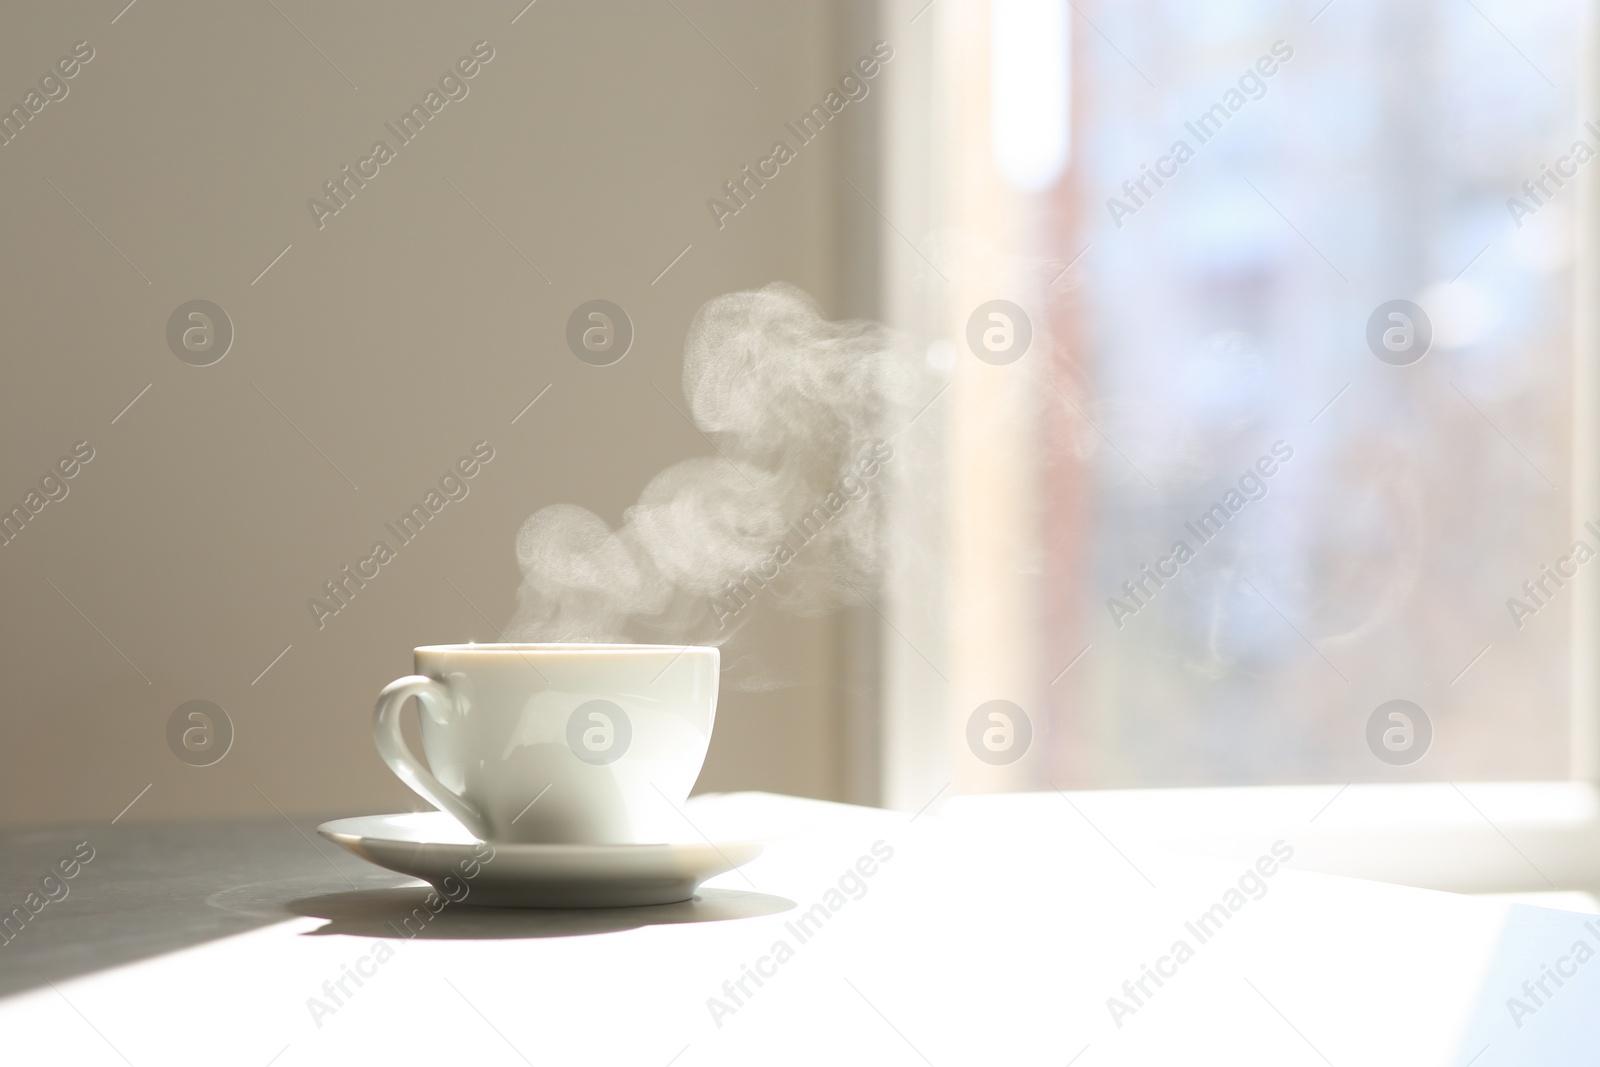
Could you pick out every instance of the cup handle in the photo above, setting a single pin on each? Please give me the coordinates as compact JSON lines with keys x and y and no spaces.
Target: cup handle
{"x":410,"y":770}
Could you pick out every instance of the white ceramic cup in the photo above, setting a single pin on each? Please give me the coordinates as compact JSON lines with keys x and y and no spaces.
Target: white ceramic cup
{"x":551,"y":743}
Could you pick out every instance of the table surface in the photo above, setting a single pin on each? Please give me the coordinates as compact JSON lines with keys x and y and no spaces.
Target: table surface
{"x":861,"y":936}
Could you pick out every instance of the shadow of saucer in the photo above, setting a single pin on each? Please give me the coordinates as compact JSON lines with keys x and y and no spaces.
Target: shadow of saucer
{"x":385,"y":913}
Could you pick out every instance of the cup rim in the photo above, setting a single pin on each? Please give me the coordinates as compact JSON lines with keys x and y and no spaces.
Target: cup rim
{"x":521,"y":648}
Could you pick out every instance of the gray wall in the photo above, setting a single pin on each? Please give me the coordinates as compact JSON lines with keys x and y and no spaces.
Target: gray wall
{"x":373,"y":354}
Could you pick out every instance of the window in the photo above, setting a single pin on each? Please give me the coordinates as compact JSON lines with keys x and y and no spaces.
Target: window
{"x":1300,"y":290}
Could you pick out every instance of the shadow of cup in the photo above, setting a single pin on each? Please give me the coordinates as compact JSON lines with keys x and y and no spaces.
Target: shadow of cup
{"x":402,"y":912}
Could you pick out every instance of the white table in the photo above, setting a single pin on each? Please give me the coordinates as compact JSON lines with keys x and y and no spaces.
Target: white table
{"x":971,"y":939}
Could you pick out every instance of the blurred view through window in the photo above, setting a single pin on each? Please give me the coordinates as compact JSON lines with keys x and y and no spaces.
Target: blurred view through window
{"x":1237,"y":193}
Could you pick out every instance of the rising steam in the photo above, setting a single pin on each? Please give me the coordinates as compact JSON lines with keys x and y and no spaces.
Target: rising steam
{"x":793,"y":404}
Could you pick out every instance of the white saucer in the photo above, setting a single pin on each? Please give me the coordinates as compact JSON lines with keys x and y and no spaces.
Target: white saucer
{"x":433,"y":846}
